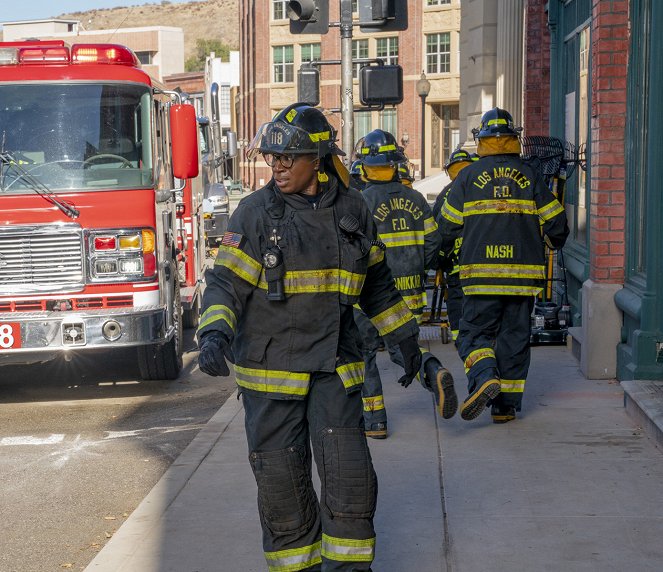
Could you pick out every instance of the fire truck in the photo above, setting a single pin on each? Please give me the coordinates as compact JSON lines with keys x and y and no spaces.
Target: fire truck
{"x":93,"y":153}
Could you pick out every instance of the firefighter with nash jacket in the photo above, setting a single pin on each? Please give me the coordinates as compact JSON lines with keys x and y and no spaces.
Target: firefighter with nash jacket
{"x":406,"y":226}
{"x":504,"y":211}
{"x":298,"y":254}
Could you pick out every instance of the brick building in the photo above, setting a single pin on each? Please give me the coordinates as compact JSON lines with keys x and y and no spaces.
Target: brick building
{"x":271,"y":57}
{"x":603,"y":91}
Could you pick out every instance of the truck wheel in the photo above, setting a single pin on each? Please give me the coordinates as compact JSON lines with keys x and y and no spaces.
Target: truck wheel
{"x":164,"y":361}
{"x":191,"y":317}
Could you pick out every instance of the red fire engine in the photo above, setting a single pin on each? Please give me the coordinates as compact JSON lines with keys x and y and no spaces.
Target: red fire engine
{"x":92,"y":152}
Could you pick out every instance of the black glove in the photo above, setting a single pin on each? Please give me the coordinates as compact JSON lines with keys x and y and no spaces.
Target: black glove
{"x":412,"y":359}
{"x":213,"y":348}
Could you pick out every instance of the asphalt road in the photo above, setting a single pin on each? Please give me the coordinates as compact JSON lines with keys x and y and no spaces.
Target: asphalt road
{"x":81,"y":445}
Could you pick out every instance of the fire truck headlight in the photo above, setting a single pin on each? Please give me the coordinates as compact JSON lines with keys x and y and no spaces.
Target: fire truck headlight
{"x":131,"y":265}
{"x":105,"y":267}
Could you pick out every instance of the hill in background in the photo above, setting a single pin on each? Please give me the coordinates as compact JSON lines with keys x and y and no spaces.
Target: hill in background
{"x":207,"y":19}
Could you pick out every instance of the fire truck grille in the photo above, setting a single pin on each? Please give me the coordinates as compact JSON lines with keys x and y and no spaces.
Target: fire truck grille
{"x":38,"y":260}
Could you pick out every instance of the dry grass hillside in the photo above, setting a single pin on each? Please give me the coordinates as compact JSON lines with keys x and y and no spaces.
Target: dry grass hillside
{"x":207,"y":19}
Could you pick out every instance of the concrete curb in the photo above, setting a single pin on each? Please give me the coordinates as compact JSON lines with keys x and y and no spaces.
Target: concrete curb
{"x":149,"y":513}
{"x":643,"y":401}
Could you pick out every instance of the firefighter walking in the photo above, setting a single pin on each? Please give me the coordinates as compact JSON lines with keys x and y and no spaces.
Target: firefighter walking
{"x":458,"y":160}
{"x":299,"y":253}
{"x":408,"y":230}
{"x":502,"y":208}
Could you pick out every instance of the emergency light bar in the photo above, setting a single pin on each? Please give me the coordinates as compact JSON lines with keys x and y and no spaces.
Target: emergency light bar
{"x":16,"y":53}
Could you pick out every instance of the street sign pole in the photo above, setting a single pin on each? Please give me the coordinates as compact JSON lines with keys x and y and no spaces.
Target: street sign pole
{"x":347,"y":105}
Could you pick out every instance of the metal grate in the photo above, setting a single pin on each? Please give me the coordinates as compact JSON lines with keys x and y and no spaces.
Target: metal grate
{"x":39,"y":259}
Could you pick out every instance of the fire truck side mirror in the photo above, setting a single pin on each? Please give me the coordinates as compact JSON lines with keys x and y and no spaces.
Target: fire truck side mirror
{"x":231,"y":144}
{"x":184,"y":141}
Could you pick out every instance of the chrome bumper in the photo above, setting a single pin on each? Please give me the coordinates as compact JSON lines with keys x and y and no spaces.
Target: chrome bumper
{"x":44,"y":335}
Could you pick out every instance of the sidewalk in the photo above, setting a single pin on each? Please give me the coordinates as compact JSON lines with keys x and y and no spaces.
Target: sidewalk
{"x":572,"y":485}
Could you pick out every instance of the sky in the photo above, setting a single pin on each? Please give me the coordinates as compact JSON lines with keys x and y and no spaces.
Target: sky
{"x":14,"y":10}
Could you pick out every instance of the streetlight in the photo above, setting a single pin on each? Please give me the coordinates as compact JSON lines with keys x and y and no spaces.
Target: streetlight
{"x":423,"y":89}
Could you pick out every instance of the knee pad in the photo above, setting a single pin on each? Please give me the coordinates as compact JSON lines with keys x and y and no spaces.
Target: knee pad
{"x":350,"y":483}
{"x":286,"y":499}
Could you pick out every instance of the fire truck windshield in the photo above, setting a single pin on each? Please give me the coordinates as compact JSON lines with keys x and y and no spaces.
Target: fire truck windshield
{"x":76,"y":136}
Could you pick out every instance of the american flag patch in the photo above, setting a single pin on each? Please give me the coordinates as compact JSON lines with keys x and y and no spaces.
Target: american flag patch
{"x":232,"y":239}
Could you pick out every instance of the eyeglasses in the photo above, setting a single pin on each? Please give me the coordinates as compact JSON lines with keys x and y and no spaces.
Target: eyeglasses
{"x":286,"y":160}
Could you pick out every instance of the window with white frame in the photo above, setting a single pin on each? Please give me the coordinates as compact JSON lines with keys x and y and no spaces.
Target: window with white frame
{"x":278,"y":9}
{"x":310,"y":52}
{"x":359,"y":50}
{"x":363,"y":123}
{"x":437,"y":2}
{"x":284,"y":65}
{"x":354,"y":6}
{"x":388,"y":120}
{"x":438,"y":52}
{"x":387,"y":49}
{"x":145,"y":58}
{"x":224,"y":99}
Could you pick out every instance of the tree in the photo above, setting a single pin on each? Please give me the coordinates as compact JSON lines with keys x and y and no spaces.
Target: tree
{"x":203,"y":48}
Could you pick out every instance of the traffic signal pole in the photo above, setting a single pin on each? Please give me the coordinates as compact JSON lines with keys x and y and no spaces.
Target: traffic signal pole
{"x":347,"y":104}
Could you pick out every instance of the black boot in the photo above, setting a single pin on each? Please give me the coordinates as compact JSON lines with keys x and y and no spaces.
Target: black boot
{"x":441,"y":383}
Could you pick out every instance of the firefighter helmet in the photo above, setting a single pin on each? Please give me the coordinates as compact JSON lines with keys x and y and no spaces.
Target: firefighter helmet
{"x":496,"y":122}
{"x":380,"y":148}
{"x":299,"y":129}
{"x":458,"y":156}
{"x":356,"y":170}
{"x":404,"y":172}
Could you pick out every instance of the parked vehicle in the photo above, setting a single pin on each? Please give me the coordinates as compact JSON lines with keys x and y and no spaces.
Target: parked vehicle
{"x":93,"y":154}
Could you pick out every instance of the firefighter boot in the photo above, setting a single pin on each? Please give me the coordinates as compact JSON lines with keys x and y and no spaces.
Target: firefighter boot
{"x":502,"y":413}
{"x":441,"y":383}
{"x":478,"y":398}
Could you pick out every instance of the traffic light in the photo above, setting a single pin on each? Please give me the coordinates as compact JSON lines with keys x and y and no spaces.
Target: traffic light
{"x":308,"y":85}
{"x":381,"y":85}
{"x":382,"y":15}
{"x":308,"y":16}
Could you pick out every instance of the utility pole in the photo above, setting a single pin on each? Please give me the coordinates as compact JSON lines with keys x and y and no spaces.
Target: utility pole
{"x":347,"y":104}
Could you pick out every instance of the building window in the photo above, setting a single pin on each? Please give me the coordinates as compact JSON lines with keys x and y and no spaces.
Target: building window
{"x":388,"y":120}
{"x":224,"y":99}
{"x":354,"y":6}
{"x":278,"y":11}
{"x":359,"y":50}
{"x":283,"y":64}
{"x":363,"y":123}
{"x":310,"y":52}
{"x":387,"y":49}
{"x":437,"y":2}
{"x":145,"y":58}
{"x":438,"y":52}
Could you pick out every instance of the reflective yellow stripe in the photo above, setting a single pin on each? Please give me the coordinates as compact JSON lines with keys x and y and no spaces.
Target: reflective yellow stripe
{"x":321,"y":136}
{"x":497,"y":121}
{"x":488,"y":270}
{"x":218,"y":312}
{"x":492,"y":206}
{"x":430,"y":225}
{"x":375,"y":255}
{"x":476,"y":356}
{"x":416,"y":301}
{"x":392,"y":318}
{"x":551,"y":210}
{"x":240,"y":263}
{"x":272,"y":381}
{"x":405,"y":238}
{"x":348,"y":549}
{"x":454,"y":335}
{"x":351,"y":374}
{"x":373,"y":403}
{"x":381,"y":149}
{"x":512,"y":385}
{"x":492,"y":289}
{"x":451,"y":214}
{"x":314,"y":281}
{"x":294,"y":559}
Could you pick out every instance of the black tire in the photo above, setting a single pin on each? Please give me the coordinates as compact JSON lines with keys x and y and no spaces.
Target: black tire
{"x":191,"y":317}
{"x":164,"y":361}
{"x":445,"y":334}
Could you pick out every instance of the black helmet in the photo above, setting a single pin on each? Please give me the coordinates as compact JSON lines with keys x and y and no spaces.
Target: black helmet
{"x":299,"y":129}
{"x":404,"y":171}
{"x":459,"y":156}
{"x":380,"y":148}
{"x":495,"y":123}
{"x":356,"y":169}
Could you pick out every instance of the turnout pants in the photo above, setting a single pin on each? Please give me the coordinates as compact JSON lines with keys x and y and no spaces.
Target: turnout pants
{"x":454,"y":303}
{"x":371,"y":391}
{"x":301,"y":532}
{"x":493,"y":342}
